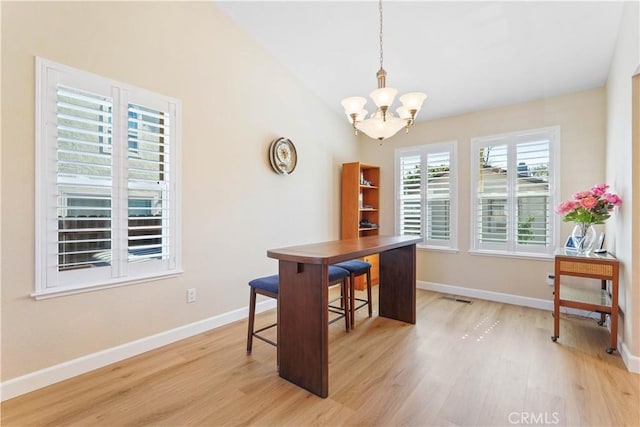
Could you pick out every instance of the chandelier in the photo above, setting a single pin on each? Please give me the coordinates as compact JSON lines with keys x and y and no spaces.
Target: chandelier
{"x":382,"y":123}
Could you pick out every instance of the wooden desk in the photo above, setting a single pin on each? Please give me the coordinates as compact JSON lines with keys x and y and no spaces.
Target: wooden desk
{"x":303,"y":350}
{"x":604,"y":300}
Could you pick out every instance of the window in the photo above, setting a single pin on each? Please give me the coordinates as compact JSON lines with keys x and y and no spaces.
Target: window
{"x":513,"y":190}
{"x":107,"y":190}
{"x":426,"y":194}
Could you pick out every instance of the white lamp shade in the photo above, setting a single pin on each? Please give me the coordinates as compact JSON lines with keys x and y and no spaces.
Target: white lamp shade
{"x":413,"y":100}
{"x":403,"y":112}
{"x":353,"y":105}
{"x":384,"y":96}
{"x":381,"y":129}
{"x":360,"y":115}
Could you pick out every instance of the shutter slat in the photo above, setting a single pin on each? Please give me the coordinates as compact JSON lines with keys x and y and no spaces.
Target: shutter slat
{"x":84,"y":208}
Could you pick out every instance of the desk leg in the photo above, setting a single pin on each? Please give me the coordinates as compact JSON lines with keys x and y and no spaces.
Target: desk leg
{"x":603,"y":315}
{"x":556,"y":303}
{"x":614,"y":310}
{"x":303,"y":350}
{"x":397,"y":285}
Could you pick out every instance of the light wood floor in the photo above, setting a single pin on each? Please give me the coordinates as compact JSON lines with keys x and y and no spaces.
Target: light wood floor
{"x":462,"y":364}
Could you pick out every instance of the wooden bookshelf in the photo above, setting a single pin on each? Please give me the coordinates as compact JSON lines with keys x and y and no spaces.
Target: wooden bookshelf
{"x":360,"y":215}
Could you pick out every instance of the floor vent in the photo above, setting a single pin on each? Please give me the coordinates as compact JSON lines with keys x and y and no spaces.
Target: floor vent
{"x":457,"y":299}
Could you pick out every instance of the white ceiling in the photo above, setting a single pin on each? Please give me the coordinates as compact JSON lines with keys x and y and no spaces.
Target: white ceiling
{"x":466,"y":56}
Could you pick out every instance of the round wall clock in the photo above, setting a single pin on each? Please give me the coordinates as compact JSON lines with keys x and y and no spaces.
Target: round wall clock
{"x":283,"y":156}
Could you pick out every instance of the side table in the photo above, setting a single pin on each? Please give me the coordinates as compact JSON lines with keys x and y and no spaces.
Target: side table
{"x":604,"y":300}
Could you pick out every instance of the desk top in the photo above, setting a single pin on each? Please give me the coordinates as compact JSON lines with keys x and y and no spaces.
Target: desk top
{"x":341,"y":250}
{"x":572,"y":253}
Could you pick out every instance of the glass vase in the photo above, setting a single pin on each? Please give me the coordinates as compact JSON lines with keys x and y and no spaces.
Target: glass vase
{"x":584,"y":237}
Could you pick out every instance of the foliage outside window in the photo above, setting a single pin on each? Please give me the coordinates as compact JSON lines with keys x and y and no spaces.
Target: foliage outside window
{"x":513,"y":182}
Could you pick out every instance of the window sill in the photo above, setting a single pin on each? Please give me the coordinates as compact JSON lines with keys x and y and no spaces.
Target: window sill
{"x":527,"y":256}
{"x":64,"y":291}
{"x":437,"y":249}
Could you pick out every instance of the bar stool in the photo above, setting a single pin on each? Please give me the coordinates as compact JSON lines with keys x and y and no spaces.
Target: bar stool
{"x":268,"y":286}
{"x":357,"y":268}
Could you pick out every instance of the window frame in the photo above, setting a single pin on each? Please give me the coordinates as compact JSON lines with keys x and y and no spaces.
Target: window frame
{"x":511,"y":248}
{"x":52,"y":281}
{"x":450,"y":147}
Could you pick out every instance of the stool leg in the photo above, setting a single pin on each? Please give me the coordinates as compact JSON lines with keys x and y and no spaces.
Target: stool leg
{"x":252,"y":314}
{"x":352,"y":298}
{"x":369,"y":292}
{"x":343,"y":304}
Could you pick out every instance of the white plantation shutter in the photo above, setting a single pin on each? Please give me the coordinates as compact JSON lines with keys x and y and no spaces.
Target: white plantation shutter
{"x":148,"y":232}
{"x":107,"y":191}
{"x":83,"y":176}
{"x":410,"y":195}
{"x":426,"y":193}
{"x":151,"y":223}
{"x":513,"y":185}
{"x":533,"y":192}
{"x":492,"y":194}
{"x":438,"y":200}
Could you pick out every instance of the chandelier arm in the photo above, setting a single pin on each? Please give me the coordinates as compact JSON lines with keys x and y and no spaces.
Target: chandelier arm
{"x":354,"y":119}
{"x":384,"y":113}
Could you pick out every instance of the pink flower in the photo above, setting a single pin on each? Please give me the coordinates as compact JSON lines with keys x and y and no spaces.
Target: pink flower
{"x":582,"y":194}
{"x":566,"y":207}
{"x":590,"y":207}
{"x":599,"y":189}
{"x":614,"y":199}
{"x":588,"y":202}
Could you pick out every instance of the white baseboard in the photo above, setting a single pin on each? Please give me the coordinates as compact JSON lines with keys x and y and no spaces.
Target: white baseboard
{"x":51,"y":375}
{"x":487,"y":295}
{"x":631,"y":362}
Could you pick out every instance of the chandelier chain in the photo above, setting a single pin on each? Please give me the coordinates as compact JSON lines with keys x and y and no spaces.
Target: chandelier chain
{"x":380,"y":9}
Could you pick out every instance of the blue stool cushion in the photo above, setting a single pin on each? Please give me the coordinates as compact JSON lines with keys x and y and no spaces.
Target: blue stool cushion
{"x":337,"y":273}
{"x":269,"y":283}
{"x":355,"y":266}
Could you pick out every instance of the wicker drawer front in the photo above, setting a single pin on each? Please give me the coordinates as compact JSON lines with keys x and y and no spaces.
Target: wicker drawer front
{"x":605,"y":270}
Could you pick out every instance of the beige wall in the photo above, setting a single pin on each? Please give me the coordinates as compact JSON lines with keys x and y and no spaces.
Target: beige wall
{"x":581,"y":118}
{"x":621,"y":170}
{"x":236,"y":99}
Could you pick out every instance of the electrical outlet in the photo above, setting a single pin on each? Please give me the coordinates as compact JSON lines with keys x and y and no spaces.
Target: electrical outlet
{"x":550,"y":278}
{"x":191,"y":295}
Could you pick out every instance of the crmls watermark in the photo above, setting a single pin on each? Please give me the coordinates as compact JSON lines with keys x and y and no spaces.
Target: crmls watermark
{"x":534,"y":418}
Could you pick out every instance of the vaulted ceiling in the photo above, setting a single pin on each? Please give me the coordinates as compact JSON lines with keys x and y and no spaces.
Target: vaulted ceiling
{"x":466,"y":56}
